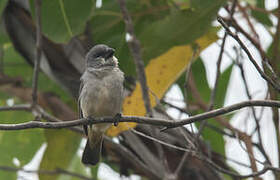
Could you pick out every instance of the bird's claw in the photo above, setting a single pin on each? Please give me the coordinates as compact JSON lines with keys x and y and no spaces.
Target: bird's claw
{"x":117,"y":119}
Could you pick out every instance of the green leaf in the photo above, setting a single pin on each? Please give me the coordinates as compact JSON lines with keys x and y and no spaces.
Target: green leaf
{"x":180,"y":27}
{"x":3,"y":4}
{"x":201,"y":4}
{"x":21,"y":144}
{"x":200,"y":79}
{"x":61,"y":148}
{"x":251,"y":2}
{"x":157,"y":28}
{"x":63,"y":19}
{"x":62,"y":144}
{"x":15,"y":66}
{"x":76,"y":166}
{"x":3,"y":35}
{"x":222,"y":87}
{"x":261,"y":16}
{"x":108,"y":26}
{"x":214,"y":138}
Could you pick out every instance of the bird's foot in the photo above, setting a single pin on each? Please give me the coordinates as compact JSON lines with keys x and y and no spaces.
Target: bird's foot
{"x":117,"y":118}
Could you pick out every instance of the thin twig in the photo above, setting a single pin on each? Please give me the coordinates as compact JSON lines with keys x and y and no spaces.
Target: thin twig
{"x":161,"y":142}
{"x":265,"y":60}
{"x":250,"y":98}
{"x":218,"y":73}
{"x":246,"y":16}
{"x":37,"y":52}
{"x":236,"y":37}
{"x":249,"y":144}
{"x":255,"y":174}
{"x":20,"y":107}
{"x":187,"y":76}
{"x":214,"y":90}
{"x":209,"y":161}
{"x":135,"y":49}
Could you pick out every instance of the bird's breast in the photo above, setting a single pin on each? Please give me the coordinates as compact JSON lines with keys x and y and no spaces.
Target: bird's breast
{"x":101,"y":98}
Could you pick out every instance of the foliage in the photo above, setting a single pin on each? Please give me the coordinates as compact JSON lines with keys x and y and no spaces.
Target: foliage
{"x":172,"y":34}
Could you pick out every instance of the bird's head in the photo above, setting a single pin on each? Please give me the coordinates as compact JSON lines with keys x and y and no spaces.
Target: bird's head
{"x":101,"y":56}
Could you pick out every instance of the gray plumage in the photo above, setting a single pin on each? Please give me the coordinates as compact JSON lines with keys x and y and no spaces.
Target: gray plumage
{"x":101,"y":94}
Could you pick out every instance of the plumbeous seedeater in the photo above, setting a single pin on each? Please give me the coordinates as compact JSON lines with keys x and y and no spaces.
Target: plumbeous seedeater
{"x":101,"y":94}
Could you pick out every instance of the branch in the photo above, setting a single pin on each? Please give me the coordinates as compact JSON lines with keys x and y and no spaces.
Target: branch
{"x":38,"y":51}
{"x":214,"y":90}
{"x":135,"y":49}
{"x":235,"y":36}
{"x":20,"y":107}
{"x":254,"y":174}
{"x":138,"y":119}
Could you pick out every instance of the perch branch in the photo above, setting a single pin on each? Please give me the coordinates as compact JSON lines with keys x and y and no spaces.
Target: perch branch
{"x":138,"y":119}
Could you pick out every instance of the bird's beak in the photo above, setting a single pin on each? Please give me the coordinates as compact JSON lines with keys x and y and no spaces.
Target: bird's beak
{"x":110,"y":53}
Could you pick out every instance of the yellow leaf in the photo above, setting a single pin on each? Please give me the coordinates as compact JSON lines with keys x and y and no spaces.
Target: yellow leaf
{"x":161,"y":73}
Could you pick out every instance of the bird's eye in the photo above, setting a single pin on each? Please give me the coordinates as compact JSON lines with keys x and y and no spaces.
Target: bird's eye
{"x":97,"y":56}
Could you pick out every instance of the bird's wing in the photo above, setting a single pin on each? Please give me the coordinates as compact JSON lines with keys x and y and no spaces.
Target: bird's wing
{"x":80,"y":110}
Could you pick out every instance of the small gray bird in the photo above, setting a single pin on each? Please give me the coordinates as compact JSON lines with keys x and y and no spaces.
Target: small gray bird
{"x":101,"y":94}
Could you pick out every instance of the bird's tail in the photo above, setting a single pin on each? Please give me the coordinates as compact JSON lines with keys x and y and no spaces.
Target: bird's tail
{"x":91,"y":154}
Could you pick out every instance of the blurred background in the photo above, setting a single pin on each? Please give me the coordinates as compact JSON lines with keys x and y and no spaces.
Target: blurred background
{"x":191,"y":65}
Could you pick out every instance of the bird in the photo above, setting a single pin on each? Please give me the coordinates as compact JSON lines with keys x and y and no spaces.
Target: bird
{"x":100,"y":95}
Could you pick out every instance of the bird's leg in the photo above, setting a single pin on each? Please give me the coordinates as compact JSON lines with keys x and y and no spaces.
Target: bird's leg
{"x":117,"y":118}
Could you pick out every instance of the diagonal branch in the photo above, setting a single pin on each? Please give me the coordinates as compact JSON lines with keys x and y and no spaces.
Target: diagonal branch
{"x":37,"y":52}
{"x":135,"y":49}
{"x":263,"y":75}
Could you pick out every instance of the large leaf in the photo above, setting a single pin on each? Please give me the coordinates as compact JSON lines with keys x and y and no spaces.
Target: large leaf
{"x":76,"y":166}
{"x":180,"y":27}
{"x":158,"y":26}
{"x":17,"y":144}
{"x":161,"y":73}
{"x":63,"y":19}
{"x":62,"y":146}
{"x":108,"y":26}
